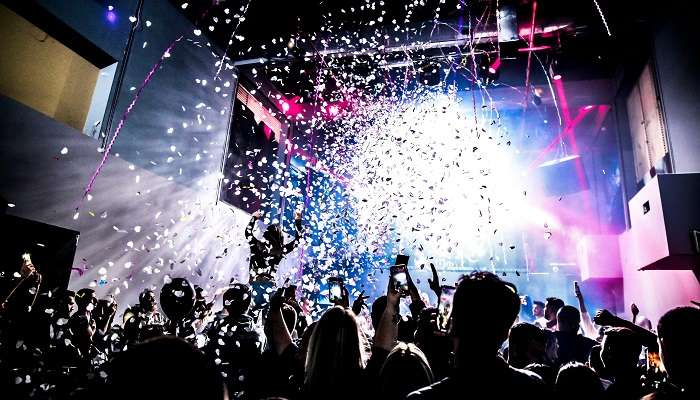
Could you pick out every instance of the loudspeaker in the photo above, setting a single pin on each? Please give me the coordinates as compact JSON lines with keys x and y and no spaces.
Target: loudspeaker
{"x":664,"y":215}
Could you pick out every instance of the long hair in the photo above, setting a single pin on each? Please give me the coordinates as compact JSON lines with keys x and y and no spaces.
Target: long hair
{"x":336,"y":350}
{"x":405,"y":369}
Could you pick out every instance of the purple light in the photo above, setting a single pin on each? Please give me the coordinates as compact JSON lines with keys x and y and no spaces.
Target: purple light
{"x":111,"y":16}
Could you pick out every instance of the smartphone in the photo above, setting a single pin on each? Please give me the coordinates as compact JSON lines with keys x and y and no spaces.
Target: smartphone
{"x":399,"y":279}
{"x":447,"y":295}
{"x":335,"y":289}
{"x":401,"y":259}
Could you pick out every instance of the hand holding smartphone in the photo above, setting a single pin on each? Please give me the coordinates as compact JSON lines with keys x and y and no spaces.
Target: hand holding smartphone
{"x":399,"y":278}
{"x":445,"y":307}
{"x":335,"y":289}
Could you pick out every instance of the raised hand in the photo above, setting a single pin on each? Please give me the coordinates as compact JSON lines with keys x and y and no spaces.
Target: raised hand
{"x":605,"y":318}
{"x":257,"y":214}
{"x":359,"y":303}
{"x":297,"y":215}
{"x":277,"y":299}
{"x":634,"y":309}
{"x":435,"y":282}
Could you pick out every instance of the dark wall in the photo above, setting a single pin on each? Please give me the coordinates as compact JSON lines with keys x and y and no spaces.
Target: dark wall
{"x":677,"y":55}
{"x":89,"y":19}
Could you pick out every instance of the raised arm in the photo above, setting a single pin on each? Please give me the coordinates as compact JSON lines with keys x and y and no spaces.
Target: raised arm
{"x":297,"y":234}
{"x":588,"y":327}
{"x":606,"y":318}
{"x":249,"y":229}
{"x":417,"y":304}
{"x":281,"y":338}
{"x":388,"y":329}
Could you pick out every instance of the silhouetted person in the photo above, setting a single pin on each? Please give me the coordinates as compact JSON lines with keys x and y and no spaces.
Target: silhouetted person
{"x":265,"y":255}
{"x":679,"y":333}
{"x":620,"y":354}
{"x":526,"y":345}
{"x":405,"y":369}
{"x":572,"y":345}
{"x":235,"y":340}
{"x":82,"y":322}
{"x":271,"y":377}
{"x":537,"y":310}
{"x":164,"y":368}
{"x":551,"y":308}
{"x":143,"y":321}
{"x":479,"y":370}
{"x":335,"y":357}
{"x":577,"y":381}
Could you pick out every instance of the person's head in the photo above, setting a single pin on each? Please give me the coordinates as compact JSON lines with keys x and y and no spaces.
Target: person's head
{"x":164,"y":368}
{"x":237,"y":299}
{"x":547,"y":372}
{"x":336,"y":350}
{"x":551,"y":347}
{"x":64,"y":303}
{"x":105,"y":309}
{"x":679,"y":330}
{"x":273,"y":234}
{"x":577,"y":381}
{"x":595,"y":362}
{"x":620,"y":351}
{"x":289,"y":315}
{"x":147,"y":300}
{"x":405,"y":369}
{"x":526,"y":345}
{"x":85,"y":299}
{"x":482,"y":297}
{"x":82,"y":327}
{"x":538,"y":309}
{"x":568,"y":319}
{"x":551,"y":308}
{"x":377,"y":310}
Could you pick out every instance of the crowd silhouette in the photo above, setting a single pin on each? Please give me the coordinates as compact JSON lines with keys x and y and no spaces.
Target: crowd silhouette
{"x":72,"y":345}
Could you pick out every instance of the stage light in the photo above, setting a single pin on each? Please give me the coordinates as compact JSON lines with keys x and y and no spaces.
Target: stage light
{"x":537,"y":96}
{"x":285,"y":107}
{"x":553,"y":71}
{"x":493,"y":68}
{"x":111,"y":15}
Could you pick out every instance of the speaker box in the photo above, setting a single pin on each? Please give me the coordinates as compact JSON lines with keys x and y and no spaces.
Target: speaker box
{"x":664,"y":218}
